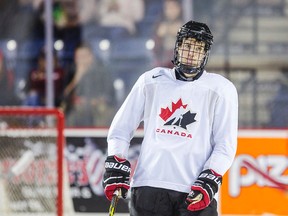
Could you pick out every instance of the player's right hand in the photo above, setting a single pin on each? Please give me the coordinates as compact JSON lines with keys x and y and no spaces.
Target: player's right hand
{"x":117,"y":174}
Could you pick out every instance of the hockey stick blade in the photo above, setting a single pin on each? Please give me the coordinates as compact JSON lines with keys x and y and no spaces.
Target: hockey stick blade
{"x":114,"y":202}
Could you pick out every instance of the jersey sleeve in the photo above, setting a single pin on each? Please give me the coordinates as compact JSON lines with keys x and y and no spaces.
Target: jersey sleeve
{"x":224,"y":131}
{"x":127,"y":120}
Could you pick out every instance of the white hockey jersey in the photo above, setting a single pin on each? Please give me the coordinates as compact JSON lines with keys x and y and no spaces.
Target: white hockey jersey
{"x":188,"y":127}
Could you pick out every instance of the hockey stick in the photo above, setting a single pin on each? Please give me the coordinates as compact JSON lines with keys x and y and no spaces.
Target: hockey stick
{"x":114,"y":201}
{"x":20,"y":166}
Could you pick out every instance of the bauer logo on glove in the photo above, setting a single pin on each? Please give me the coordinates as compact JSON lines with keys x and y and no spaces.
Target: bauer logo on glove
{"x":116,"y":176}
{"x":118,"y":166}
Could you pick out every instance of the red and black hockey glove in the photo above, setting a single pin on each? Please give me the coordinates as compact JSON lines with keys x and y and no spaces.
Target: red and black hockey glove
{"x":117,"y":174}
{"x":203,"y":190}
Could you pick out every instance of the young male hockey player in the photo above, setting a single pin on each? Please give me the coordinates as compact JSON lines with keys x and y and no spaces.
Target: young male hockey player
{"x":190,"y":134}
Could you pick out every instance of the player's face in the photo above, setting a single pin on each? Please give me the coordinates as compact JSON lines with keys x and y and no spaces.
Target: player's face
{"x":191,"y":52}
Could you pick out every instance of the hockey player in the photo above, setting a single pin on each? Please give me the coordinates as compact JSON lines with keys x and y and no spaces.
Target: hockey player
{"x":190,"y":134}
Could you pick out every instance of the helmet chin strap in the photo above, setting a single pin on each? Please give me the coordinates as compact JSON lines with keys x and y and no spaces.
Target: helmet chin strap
{"x":180,"y":75}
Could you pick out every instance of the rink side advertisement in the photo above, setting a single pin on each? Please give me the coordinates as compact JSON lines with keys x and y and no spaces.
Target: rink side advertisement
{"x":257,"y":182}
{"x":85,"y":154}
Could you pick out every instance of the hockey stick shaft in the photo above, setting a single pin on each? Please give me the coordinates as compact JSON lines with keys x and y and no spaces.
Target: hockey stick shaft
{"x":114,"y":202}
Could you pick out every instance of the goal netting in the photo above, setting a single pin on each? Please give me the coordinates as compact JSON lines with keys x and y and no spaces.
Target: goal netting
{"x":32,"y":171}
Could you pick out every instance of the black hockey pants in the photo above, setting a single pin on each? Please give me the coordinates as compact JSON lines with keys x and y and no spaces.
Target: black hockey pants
{"x":149,"y":201}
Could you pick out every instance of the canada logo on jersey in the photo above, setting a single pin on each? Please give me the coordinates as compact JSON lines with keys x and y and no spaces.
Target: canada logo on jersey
{"x":179,"y":115}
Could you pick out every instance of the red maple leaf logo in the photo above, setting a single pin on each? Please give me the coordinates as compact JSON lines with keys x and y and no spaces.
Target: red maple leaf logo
{"x":166,"y":113}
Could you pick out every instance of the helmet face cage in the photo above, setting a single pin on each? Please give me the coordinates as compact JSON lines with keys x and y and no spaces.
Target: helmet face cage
{"x":194,"y":62}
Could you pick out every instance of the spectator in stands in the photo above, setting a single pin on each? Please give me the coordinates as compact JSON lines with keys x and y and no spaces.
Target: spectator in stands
{"x":121,"y":16}
{"x":7,"y":87}
{"x":18,"y":16}
{"x":65,"y":22}
{"x":91,"y":90}
{"x":87,"y":11}
{"x":36,"y":84}
{"x":166,"y":31}
{"x":279,"y":104}
{"x":88,"y":14}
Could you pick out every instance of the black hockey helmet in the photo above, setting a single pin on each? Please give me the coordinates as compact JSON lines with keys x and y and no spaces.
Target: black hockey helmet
{"x":200,"y":32}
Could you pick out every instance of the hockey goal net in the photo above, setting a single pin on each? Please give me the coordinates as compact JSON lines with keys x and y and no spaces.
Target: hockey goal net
{"x":31,"y":162}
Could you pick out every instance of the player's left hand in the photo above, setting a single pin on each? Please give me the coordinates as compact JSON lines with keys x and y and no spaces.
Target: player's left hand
{"x":203,"y":190}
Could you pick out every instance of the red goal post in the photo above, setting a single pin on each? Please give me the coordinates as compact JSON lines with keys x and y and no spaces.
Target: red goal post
{"x":31,"y":161}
